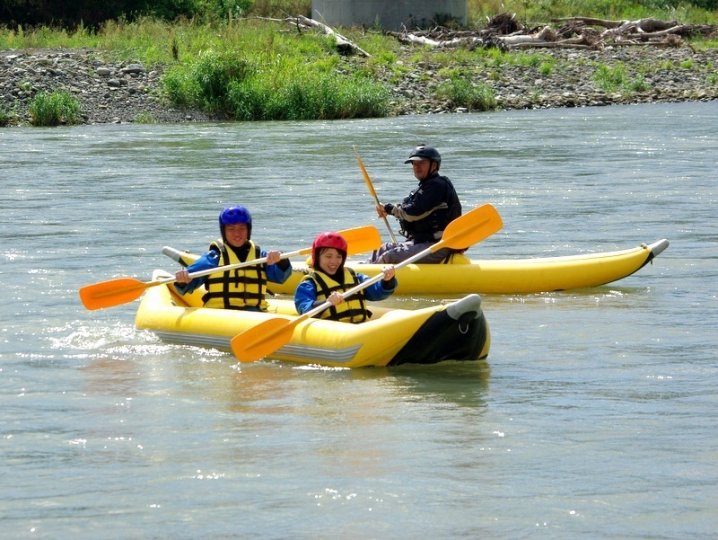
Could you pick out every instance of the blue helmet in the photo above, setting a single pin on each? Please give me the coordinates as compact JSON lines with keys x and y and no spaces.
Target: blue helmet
{"x":233,"y":215}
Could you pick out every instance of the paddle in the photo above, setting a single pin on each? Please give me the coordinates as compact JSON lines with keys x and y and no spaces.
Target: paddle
{"x":121,"y":290}
{"x":268,"y":336}
{"x":373,"y":192}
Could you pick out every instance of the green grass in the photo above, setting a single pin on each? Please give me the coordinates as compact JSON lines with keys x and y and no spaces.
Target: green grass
{"x":542,"y":11}
{"x":54,"y":109}
{"x":638,"y":84}
{"x":5,"y":117}
{"x":704,"y":44}
{"x":145,"y":118}
{"x":462,"y":92}
{"x":610,"y":78}
{"x":616,"y":79}
{"x":273,"y":87}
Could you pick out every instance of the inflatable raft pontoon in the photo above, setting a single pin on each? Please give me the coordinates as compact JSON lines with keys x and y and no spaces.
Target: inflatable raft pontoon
{"x":462,"y":275}
{"x":453,"y":331}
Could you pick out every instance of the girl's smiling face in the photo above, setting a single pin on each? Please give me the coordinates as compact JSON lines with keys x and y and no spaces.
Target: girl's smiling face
{"x":330,"y":260}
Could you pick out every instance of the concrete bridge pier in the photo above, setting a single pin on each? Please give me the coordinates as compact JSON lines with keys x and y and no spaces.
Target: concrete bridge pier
{"x":389,"y":14}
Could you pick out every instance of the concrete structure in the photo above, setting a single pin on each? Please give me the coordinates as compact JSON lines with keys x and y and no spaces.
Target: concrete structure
{"x":389,"y":14}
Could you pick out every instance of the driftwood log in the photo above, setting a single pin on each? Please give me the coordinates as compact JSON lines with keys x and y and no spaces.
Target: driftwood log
{"x":504,"y":31}
{"x":301,"y":23}
{"x":343,"y":45}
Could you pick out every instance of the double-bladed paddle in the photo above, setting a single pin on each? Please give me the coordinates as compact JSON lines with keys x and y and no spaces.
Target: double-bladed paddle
{"x":373,"y":192}
{"x":115,"y":292}
{"x":268,"y":336}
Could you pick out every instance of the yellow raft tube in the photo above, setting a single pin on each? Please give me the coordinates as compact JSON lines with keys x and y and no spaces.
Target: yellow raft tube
{"x":454,"y":331}
{"x":512,"y":276}
{"x":508,"y":276}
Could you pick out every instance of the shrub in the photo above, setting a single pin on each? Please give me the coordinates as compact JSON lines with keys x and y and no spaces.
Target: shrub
{"x":206,"y":82}
{"x":145,"y":118}
{"x":610,"y":79}
{"x":307,"y":95}
{"x":463,"y":93}
{"x":546,"y":68}
{"x":4,"y":117}
{"x":9,"y":116}
{"x":54,"y":109}
{"x":226,"y":85}
{"x":639,"y":84}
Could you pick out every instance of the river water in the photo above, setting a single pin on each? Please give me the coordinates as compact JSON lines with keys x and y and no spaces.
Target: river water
{"x":595,"y":415}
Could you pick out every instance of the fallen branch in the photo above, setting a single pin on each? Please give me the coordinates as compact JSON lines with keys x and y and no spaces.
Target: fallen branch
{"x":447,"y":44}
{"x":551,"y":45}
{"x":344,"y":46}
{"x":589,"y":21}
{"x":577,"y":32}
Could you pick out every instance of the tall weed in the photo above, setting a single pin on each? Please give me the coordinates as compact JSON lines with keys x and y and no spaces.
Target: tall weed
{"x":610,"y":78}
{"x":224,"y":84}
{"x":5,"y":117}
{"x":54,"y":109}
{"x":462,"y":92}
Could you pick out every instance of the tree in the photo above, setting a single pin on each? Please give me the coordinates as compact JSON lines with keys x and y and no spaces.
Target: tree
{"x":90,"y":13}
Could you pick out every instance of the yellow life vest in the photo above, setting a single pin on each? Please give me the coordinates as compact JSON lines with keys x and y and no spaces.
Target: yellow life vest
{"x":353,"y":309}
{"x":237,"y":289}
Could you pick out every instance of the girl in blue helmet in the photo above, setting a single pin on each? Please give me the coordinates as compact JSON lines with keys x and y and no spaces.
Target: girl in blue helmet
{"x":244,"y":288}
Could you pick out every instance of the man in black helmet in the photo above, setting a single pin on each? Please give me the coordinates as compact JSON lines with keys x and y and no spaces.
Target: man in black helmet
{"x":424,"y":214}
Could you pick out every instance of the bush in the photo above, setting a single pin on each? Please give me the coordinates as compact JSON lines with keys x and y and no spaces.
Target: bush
{"x":224,"y":84}
{"x":145,"y":118}
{"x":463,"y":93}
{"x":307,"y":96}
{"x":206,"y":82}
{"x":54,"y":109}
{"x":610,"y":79}
{"x":4,"y":117}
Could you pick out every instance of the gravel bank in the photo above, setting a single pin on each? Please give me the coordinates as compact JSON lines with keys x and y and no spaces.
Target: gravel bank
{"x":111,"y":92}
{"x":666,"y":75}
{"x":108,"y":92}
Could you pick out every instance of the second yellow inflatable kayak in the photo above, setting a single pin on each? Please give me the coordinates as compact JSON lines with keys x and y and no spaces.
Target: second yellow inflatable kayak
{"x":495,"y":276}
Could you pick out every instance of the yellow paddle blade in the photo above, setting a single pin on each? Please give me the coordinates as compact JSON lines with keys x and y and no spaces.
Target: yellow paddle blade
{"x":112,"y":292}
{"x":263,"y":339}
{"x":470,"y":228}
{"x":360,"y":239}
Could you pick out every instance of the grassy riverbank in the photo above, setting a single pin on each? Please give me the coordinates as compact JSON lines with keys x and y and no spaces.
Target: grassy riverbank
{"x":252,"y":68}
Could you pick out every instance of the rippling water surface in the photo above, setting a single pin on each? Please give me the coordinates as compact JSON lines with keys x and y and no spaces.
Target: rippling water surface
{"x":594,"y":417}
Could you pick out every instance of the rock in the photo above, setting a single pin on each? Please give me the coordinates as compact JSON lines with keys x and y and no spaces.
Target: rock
{"x":133,"y":69}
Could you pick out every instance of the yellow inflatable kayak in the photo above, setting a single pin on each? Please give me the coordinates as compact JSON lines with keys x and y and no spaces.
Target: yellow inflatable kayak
{"x":454,"y":331}
{"x":499,"y":276}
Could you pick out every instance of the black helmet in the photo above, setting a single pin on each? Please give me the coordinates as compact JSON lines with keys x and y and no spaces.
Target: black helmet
{"x":424,"y":152}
